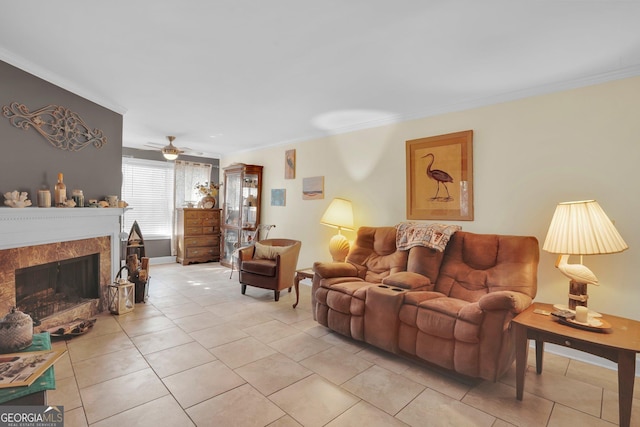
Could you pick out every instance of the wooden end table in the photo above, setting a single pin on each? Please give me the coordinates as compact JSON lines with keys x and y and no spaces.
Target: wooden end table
{"x":620,"y":346}
{"x":305,"y":273}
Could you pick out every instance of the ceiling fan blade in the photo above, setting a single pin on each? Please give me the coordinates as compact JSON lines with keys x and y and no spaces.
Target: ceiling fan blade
{"x":154,"y":145}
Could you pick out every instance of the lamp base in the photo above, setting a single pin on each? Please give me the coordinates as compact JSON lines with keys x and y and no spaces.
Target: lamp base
{"x":339,"y":248}
{"x":577,"y":294}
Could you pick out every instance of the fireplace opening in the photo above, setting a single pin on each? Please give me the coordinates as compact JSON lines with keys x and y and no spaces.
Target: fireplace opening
{"x":46,"y":289}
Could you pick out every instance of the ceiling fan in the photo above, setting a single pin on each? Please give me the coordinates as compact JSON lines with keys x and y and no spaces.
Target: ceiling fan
{"x":171,"y":152}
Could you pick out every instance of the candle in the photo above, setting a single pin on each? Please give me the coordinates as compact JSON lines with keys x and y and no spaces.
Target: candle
{"x":44,"y":199}
{"x":582,"y":314}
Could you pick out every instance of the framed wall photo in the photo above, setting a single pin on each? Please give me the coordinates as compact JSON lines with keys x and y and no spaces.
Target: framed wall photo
{"x":440,"y":177}
{"x":278,"y":197}
{"x":313,"y":188}
{"x":290,"y":164}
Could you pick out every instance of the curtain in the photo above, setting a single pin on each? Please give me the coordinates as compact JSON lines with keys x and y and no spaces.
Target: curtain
{"x":187,"y":175}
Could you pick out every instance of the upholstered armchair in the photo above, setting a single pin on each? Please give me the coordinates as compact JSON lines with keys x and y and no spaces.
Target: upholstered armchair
{"x":269,"y":264}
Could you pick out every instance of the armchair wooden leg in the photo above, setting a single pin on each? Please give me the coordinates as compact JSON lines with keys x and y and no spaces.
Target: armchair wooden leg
{"x":243,"y":289}
{"x":277,"y":295}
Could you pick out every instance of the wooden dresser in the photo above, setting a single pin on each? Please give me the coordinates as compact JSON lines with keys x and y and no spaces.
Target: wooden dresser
{"x":198,"y":235}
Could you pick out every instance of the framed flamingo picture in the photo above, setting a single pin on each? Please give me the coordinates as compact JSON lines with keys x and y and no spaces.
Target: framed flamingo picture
{"x":440,"y":177}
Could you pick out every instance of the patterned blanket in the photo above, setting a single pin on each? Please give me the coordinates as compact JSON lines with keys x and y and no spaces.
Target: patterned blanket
{"x":434,"y":236}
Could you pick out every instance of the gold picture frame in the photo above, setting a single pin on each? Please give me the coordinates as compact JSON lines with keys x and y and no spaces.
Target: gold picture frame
{"x":440,"y":177}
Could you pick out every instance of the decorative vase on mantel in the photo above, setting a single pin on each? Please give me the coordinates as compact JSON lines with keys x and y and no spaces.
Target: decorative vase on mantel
{"x":208,"y":202}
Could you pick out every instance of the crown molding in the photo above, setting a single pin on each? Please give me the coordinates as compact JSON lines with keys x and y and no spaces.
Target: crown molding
{"x":623,"y":73}
{"x":53,"y":78}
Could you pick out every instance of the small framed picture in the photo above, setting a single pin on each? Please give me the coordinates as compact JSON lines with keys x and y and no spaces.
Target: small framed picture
{"x":278,"y":197}
{"x":313,"y":188}
{"x":290,"y":164}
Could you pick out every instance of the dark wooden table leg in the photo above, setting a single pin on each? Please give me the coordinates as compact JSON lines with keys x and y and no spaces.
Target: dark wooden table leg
{"x":539,"y":353}
{"x":296,"y":284}
{"x":626,"y":377}
{"x":522,"y":350}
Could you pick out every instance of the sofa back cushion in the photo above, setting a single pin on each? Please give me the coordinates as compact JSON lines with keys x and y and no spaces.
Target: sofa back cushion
{"x":476,"y":264}
{"x":425,"y":261}
{"x":375,"y":249}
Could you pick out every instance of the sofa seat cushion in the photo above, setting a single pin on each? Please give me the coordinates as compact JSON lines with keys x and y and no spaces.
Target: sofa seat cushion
{"x":261,"y":267}
{"x":450,"y":318}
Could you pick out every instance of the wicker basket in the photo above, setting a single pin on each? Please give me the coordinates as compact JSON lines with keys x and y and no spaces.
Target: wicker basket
{"x":16,"y":331}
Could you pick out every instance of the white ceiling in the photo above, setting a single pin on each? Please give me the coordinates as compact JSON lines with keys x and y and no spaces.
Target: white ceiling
{"x":233,"y":75}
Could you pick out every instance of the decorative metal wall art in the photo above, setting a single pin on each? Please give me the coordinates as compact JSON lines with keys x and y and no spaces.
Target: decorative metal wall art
{"x":63,"y":128}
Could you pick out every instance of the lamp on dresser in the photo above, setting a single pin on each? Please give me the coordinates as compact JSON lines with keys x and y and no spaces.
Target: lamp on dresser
{"x":339,"y":215}
{"x":581,"y":228}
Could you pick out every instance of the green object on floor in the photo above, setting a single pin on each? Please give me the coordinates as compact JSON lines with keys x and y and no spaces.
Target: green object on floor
{"x":47,"y":381}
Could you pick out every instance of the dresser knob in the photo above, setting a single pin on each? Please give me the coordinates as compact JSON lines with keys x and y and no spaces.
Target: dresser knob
{"x":567,"y":343}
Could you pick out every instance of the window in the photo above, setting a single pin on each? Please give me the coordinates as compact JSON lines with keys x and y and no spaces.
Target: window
{"x":147,"y":185}
{"x":188,"y":174}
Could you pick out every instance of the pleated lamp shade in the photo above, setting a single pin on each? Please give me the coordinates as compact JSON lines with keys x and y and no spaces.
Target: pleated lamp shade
{"x":582,"y":228}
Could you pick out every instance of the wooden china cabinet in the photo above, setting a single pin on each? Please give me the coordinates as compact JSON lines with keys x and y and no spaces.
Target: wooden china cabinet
{"x":241,"y":208}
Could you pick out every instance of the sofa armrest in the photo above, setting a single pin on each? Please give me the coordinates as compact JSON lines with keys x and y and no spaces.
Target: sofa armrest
{"x":505,"y":300}
{"x":326,"y":270}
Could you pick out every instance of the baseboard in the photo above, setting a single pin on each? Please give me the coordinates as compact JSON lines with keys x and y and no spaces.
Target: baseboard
{"x":162,"y":260}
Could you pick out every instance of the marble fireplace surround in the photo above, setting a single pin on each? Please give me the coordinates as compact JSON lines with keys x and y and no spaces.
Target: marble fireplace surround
{"x":34,"y":236}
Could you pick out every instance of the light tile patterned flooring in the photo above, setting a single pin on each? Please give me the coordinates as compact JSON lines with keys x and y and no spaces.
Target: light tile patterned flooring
{"x":200,"y":353}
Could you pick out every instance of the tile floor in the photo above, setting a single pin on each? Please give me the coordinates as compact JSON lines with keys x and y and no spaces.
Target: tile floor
{"x":200,"y":353}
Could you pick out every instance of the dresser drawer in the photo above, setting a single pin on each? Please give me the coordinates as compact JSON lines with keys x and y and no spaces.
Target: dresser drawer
{"x":204,"y":251}
{"x":191,"y":214}
{"x":193,"y":231}
{"x":191,"y":222}
{"x":215,"y":221}
{"x":201,"y":241}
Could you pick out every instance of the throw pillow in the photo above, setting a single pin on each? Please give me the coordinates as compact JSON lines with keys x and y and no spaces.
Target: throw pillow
{"x":268,"y":251}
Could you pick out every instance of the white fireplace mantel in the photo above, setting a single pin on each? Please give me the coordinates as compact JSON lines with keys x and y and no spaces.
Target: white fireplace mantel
{"x":21,"y":227}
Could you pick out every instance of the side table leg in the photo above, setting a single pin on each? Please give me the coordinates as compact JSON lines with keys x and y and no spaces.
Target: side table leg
{"x":539,"y":353}
{"x":522,"y":350}
{"x":296,"y":284}
{"x":626,"y":377}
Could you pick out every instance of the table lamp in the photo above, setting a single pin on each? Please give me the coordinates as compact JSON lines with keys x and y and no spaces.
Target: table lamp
{"x":581,"y":228}
{"x":338,"y":215}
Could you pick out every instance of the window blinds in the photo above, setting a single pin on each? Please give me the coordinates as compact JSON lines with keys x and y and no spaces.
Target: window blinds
{"x":147,"y":186}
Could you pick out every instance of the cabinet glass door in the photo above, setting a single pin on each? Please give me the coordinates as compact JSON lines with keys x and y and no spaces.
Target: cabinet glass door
{"x":233,"y":191}
{"x":230,"y":238}
{"x":250,"y":201}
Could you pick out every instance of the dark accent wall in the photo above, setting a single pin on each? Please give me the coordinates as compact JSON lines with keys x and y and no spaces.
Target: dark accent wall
{"x":28,"y":162}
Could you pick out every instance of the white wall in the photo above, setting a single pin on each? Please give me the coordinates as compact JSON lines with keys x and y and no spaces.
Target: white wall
{"x":529,"y":155}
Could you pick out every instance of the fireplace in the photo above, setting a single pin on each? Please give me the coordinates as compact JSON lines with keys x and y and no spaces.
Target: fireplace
{"x":46,"y":289}
{"x":33,"y":237}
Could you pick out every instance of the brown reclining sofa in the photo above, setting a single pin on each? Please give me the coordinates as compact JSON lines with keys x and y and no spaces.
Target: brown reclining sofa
{"x":451,"y":309}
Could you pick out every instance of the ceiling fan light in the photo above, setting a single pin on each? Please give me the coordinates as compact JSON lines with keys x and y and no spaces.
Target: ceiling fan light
{"x":170,"y":153}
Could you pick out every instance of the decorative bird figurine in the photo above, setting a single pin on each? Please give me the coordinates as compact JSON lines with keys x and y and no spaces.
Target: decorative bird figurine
{"x":439,"y":176}
{"x":576,"y":272}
